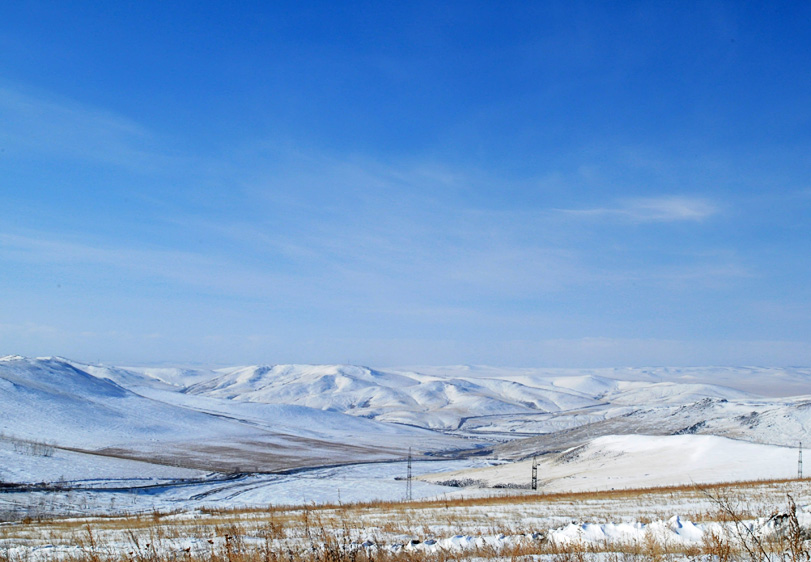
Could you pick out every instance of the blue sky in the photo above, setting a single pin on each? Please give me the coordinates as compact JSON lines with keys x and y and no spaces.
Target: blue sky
{"x":510,"y":183}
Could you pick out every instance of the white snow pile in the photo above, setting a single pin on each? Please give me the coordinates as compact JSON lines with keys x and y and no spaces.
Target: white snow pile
{"x":661,"y":535}
{"x":673,"y":532}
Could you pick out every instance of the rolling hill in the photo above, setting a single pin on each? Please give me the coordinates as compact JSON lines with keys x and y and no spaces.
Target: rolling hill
{"x":268,"y":418}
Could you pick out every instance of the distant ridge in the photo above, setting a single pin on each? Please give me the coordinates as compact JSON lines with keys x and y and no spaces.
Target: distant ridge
{"x":270,"y":417}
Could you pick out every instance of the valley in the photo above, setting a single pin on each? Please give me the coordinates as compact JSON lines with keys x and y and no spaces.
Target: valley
{"x":77,"y":437}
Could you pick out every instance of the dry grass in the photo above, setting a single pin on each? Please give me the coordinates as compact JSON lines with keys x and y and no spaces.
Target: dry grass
{"x":336,"y":533}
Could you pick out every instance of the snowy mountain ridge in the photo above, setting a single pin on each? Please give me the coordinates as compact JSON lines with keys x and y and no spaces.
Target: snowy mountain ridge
{"x":84,"y":422}
{"x":54,"y":401}
{"x":270,"y":417}
{"x":442,"y":399}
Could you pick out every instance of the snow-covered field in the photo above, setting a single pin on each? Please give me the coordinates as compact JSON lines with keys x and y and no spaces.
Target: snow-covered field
{"x":634,"y":461}
{"x":138,"y":494}
{"x":717,"y":523}
{"x":76,"y":437}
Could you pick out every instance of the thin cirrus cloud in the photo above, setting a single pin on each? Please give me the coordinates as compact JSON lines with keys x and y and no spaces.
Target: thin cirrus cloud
{"x":89,"y":261}
{"x":653,"y":210}
{"x":36,"y":123}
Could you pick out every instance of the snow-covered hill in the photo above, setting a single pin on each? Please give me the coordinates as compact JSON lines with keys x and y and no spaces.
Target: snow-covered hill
{"x":784,"y":422}
{"x":50,"y":399}
{"x":268,"y":418}
{"x":775,"y":382}
{"x":442,"y":400}
{"x":633,"y":461}
{"x":51,"y":404}
{"x":404,"y":397}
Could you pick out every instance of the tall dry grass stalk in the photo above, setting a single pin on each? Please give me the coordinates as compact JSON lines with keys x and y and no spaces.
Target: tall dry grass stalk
{"x":382,"y":531}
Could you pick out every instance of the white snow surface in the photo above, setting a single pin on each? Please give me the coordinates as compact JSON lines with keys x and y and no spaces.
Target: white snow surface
{"x":19,"y":465}
{"x":762,"y":381}
{"x":50,"y":400}
{"x":633,"y":461}
{"x":445,"y":399}
{"x":105,"y":422}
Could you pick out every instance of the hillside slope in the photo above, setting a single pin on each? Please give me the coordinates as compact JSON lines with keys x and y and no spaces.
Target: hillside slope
{"x":634,"y":461}
{"x":436,"y":401}
{"x":55,"y":402}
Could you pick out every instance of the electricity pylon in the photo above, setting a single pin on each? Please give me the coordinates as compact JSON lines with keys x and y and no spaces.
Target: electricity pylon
{"x":408,"y":477}
{"x":800,"y":462}
{"x":534,"y":473}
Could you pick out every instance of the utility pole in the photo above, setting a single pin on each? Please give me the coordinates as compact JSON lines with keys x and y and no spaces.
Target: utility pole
{"x":408,"y":477}
{"x":800,"y":462}
{"x":534,"y":473}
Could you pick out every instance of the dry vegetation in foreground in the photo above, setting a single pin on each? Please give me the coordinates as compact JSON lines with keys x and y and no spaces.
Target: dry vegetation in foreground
{"x":503,"y":527}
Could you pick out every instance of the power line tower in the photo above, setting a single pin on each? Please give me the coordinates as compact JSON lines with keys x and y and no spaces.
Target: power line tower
{"x":800,"y":462}
{"x":534,"y":473}
{"x":408,"y":477}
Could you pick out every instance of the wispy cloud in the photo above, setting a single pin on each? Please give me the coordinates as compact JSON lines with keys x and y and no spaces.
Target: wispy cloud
{"x":94,"y":260}
{"x":403,"y":232}
{"x":654,"y":209}
{"x":40,"y":124}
